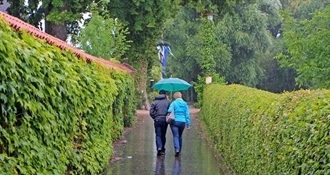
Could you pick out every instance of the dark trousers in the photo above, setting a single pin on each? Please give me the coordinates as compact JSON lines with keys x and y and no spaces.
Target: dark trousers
{"x":160,"y":130}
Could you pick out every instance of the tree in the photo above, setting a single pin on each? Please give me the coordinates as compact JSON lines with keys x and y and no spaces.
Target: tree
{"x":208,"y":42}
{"x":197,"y":51}
{"x":104,"y":37}
{"x":180,"y":33}
{"x":145,"y":20}
{"x":213,"y":6}
{"x":61,"y":16}
{"x":276,"y":79}
{"x":251,"y":22}
{"x":308,"y":49}
{"x":246,"y":35}
{"x":306,"y":10}
{"x":292,"y":5}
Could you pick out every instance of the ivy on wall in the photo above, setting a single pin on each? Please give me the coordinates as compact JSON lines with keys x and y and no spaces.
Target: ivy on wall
{"x":59,"y":114}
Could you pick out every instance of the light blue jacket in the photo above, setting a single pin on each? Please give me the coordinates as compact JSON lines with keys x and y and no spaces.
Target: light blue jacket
{"x":181,"y":111}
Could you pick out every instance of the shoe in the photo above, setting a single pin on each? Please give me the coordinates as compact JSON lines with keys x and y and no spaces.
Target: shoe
{"x":162,"y":152}
{"x":159,"y":152}
{"x":177,"y":153}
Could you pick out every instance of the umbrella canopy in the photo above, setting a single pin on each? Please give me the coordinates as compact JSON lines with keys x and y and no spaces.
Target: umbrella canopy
{"x":171,"y":84}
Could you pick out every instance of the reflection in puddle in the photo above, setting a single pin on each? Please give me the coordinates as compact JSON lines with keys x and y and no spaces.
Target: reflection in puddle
{"x":177,"y":166}
{"x":160,"y":167}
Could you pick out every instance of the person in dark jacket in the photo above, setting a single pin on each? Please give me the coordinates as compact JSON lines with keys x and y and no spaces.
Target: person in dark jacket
{"x":158,"y":112}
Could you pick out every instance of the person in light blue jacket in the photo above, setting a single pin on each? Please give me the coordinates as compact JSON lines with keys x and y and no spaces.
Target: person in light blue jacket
{"x":182,"y":120}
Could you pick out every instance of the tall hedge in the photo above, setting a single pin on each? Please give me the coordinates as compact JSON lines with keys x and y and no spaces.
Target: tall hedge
{"x":123,"y":106}
{"x":259,"y":132}
{"x":57,"y":110}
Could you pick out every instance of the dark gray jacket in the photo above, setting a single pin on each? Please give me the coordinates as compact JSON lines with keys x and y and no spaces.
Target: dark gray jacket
{"x":158,"y":108}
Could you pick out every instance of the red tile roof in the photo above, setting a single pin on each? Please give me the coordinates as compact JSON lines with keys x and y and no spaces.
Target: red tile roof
{"x":19,"y":24}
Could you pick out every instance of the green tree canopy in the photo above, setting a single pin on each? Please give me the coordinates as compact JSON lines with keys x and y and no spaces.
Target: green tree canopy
{"x":242,"y":41}
{"x":178,"y":32}
{"x":246,"y":34}
{"x":308,"y":49}
{"x":59,"y":15}
{"x":104,"y":37}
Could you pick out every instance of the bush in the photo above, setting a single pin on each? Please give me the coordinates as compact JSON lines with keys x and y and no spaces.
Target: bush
{"x":259,"y":132}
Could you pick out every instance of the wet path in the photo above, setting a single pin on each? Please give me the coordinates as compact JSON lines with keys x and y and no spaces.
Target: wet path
{"x":135,"y":153}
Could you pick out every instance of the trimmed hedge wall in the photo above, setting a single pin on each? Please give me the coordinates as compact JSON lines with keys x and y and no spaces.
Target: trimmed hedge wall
{"x":59,"y":114}
{"x":259,"y":132}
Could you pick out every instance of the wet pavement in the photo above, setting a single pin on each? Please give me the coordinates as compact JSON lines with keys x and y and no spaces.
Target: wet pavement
{"x":135,"y":153}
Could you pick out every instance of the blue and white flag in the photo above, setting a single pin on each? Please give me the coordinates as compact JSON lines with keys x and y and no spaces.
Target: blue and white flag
{"x":163,"y":50}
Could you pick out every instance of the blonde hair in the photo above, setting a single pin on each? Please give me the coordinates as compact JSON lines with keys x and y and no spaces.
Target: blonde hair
{"x":177,"y":95}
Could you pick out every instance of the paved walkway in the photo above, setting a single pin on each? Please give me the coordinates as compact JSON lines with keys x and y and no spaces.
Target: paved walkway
{"x":135,"y":152}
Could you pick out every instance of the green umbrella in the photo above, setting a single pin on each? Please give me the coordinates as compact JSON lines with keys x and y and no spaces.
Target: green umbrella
{"x":171,"y":85}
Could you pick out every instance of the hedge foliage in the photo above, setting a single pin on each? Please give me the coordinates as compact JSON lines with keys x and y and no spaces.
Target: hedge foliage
{"x":259,"y":132}
{"x":59,"y":114}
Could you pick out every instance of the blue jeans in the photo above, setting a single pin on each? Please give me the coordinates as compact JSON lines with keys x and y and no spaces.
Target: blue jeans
{"x":160,"y":130}
{"x":177,"y":130}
